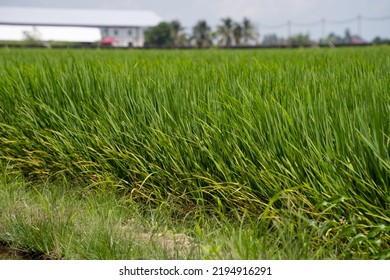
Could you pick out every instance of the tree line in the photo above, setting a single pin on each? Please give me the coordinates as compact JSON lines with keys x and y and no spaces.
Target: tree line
{"x":237,"y":34}
{"x":305,"y":40}
{"x":227,"y":34}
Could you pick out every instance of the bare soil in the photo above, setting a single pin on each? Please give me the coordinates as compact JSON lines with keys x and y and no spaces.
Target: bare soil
{"x":9,"y":253}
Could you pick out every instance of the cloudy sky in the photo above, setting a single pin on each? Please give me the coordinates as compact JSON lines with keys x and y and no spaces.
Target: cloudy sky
{"x":264,"y":13}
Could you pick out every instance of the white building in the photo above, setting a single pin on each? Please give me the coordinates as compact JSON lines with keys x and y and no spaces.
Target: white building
{"x":124,"y":36}
{"x":124,"y":28}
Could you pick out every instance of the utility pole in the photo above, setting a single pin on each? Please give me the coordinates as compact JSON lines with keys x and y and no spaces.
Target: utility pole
{"x":288,"y":29}
{"x":359,"y":23}
{"x":323,"y":28}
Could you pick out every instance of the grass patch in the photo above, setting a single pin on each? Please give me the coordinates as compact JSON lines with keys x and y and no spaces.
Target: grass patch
{"x":61,"y":221}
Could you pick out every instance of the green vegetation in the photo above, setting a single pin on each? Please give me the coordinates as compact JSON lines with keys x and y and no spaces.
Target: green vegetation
{"x":160,"y":35}
{"x":171,"y":34}
{"x":249,"y":154}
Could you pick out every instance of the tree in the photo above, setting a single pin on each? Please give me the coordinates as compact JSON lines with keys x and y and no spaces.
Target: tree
{"x":176,"y":28}
{"x":300,"y":40}
{"x":272,"y":40}
{"x":178,"y":36}
{"x":32,"y":37}
{"x":348,"y":37}
{"x":332,"y":39}
{"x":225,"y":32}
{"x":249,"y":32}
{"x":201,"y":34}
{"x":379,"y":40}
{"x":160,"y":35}
{"x":237,"y":34}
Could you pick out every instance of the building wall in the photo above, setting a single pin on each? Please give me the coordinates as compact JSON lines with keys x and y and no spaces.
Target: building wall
{"x":126,"y":36}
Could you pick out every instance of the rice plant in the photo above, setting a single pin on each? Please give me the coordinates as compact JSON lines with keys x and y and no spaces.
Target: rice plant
{"x":301,"y":135}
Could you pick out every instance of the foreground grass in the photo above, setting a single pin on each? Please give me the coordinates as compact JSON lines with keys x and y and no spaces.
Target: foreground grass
{"x":258,"y":154}
{"x":60,"y":221}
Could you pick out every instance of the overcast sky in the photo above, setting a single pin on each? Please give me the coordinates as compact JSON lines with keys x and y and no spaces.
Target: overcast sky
{"x":261,"y":12}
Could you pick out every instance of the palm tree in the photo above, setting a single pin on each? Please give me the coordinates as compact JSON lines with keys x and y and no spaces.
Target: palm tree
{"x":225,"y":32}
{"x":178,"y":36}
{"x":237,"y":33}
{"x":201,"y":33}
{"x":249,"y":31}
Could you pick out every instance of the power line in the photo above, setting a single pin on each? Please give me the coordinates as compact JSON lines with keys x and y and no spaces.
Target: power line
{"x":314,"y":23}
{"x":359,"y":19}
{"x":322,"y":21}
{"x":276,"y":26}
{"x":344,"y":21}
{"x":377,"y":18}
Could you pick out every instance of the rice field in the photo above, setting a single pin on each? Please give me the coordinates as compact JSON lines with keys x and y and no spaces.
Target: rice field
{"x":297,"y":135}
